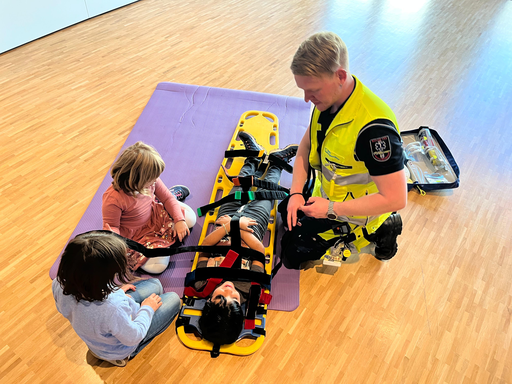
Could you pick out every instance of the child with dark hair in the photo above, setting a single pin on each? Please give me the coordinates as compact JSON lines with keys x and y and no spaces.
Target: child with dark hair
{"x":222,"y":317}
{"x":115,"y":321}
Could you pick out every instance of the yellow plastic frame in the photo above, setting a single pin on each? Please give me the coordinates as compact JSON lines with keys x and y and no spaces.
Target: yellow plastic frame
{"x":264,"y":127}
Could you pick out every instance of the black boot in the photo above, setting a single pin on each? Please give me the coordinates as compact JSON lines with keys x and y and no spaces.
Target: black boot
{"x":285,"y":154}
{"x":385,"y":237}
{"x":249,"y":141}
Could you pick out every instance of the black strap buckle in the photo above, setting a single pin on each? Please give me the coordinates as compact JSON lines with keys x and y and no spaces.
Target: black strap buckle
{"x":215,"y":352}
{"x":341,"y":229}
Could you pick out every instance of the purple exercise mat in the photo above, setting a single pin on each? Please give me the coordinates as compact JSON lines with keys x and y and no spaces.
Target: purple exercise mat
{"x":191,"y":126}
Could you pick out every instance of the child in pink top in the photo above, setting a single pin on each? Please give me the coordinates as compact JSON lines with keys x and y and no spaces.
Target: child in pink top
{"x":140,"y":207}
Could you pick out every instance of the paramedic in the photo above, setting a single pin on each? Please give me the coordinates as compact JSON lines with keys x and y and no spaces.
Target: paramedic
{"x":353,"y":143}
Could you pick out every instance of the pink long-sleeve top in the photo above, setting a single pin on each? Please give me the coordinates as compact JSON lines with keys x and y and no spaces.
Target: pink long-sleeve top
{"x":142,"y":218}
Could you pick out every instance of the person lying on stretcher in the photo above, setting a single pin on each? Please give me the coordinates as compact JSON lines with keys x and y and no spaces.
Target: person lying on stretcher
{"x":222,"y":317}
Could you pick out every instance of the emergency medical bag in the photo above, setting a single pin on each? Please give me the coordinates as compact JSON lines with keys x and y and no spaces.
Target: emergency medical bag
{"x":304,"y":242}
{"x":429,"y":164}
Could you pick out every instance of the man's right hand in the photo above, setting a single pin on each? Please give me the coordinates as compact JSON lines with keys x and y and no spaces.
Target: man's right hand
{"x":294,"y":204}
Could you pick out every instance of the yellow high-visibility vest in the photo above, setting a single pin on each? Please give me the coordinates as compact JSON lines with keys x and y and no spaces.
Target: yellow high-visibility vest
{"x":340,"y":176}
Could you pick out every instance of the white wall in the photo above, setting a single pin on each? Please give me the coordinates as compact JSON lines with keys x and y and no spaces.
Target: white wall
{"x":97,"y":7}
{"x":22,"y":21}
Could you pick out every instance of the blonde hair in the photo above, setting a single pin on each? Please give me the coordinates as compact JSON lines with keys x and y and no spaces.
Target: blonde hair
{"x":137,"y":166}
{"x":320,"y":54}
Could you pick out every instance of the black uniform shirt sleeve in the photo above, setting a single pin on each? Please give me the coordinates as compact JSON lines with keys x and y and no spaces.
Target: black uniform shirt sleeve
{"x":379,"y":145}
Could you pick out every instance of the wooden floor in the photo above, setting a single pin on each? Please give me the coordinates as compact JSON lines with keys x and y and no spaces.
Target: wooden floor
{"x":439,"y":312}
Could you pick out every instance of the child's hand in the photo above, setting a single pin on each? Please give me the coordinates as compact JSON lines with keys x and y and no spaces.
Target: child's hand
{"x":154,"y":301}
{"x":181,"y":230}
{"x":246,"y":222}
{"x":225,"y":219}
{"x":128,"y":287}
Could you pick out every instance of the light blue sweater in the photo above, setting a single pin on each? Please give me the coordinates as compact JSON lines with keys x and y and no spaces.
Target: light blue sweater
{"x":112,"y":328}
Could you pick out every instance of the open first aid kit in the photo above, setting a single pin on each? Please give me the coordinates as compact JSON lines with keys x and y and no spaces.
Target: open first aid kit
{"x":429,"y":164}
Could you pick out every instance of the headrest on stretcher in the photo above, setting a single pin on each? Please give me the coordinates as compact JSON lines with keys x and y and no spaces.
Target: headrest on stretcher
{"x":188,"y":323}
{"x":254,"y":309}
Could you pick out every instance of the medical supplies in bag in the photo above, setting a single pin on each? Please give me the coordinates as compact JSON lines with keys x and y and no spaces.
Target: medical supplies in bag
{"x":429,"y":164}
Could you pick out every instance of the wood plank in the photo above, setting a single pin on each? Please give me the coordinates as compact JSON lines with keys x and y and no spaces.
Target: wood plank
{"x":439,"y":312}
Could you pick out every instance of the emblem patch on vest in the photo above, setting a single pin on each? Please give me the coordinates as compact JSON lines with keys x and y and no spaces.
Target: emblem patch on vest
{"x":381,"y":150}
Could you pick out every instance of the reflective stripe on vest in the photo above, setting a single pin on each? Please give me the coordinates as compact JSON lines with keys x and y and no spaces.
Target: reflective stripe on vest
{"x":329,"y":174}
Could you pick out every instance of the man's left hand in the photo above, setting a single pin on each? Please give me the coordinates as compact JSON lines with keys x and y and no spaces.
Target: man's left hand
{"x":316,"y":207}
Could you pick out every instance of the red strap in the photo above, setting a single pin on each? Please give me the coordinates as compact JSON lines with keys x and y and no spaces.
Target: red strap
{"x":249,"y":324}
{"x":265,"y":298}
{"x":229,"y":259}
{"x":209,"y":288}
{"x":212,"y":283}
